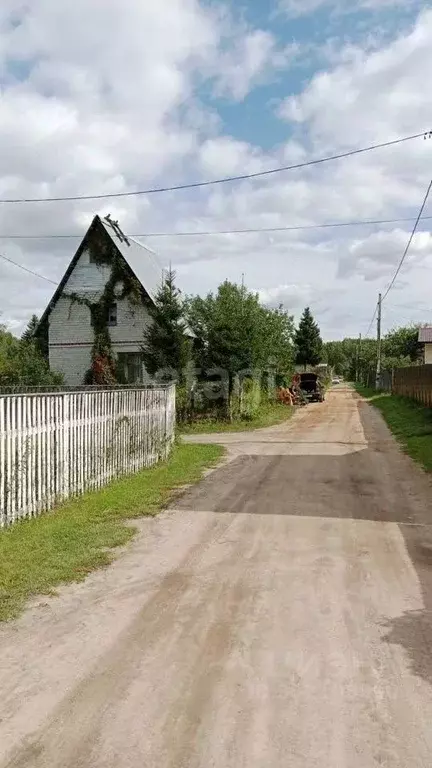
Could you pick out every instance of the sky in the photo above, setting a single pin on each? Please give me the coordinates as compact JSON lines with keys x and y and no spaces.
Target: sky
{"x":106,"y":96}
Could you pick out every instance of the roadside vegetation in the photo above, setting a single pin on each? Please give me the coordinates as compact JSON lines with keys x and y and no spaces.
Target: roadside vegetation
{"x":356,"y":360}
{"x":38,"y":555}
{"x":410,"y":422}
{"x":266,"y":416}
{"x":230,"y":355}
{"x":23,"y":361}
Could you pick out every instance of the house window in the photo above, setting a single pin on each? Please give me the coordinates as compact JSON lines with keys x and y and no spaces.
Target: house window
{"x":130,"y":367}
{"x":112,"y":316}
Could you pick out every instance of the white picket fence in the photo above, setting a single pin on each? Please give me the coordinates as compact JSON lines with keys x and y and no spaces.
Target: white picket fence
{"x":55,"y":446}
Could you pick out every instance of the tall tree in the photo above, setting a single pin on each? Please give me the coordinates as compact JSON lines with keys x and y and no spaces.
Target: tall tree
{"x":235,"y":337}
{"x":335,"y":356}
{"x":235,"y":332}
{"x":30,"y":329}
{"x":402,"y":343}
{"x":276,"y":343}
{"x":308,"y":340}
{"x":225,"y":326}
{"x":37,"y":333}
{"x":167,"y":347}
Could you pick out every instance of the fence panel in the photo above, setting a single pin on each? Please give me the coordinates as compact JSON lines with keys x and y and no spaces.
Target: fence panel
{"x":414,"y":382}
{"x":386,"y":381}
{"x":57,"y":445}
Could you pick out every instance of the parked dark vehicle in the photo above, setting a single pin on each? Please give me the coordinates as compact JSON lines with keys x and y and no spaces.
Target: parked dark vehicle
{"x":312,"y":387}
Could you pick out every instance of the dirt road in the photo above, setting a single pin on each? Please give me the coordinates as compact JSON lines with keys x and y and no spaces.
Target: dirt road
{"x":279,"y":616}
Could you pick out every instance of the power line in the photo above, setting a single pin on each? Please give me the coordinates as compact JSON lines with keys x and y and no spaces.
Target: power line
{"x":25,"y":269}
{"x":371,"y":322}
{"x":404,"y":255}
{"x":196,"y":184}
{"x":226,"y":232}
{"x":411,"y":237}
{"x":256,"y":230}
{"x":269,"y":229}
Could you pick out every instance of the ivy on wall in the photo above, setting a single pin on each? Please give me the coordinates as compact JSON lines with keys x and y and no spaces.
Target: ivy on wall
{"x":121,"y":284}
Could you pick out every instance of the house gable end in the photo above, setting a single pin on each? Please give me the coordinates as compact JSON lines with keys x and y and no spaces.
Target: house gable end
{"x":83,"y":246}
{"x":105,"y":251}
{"x":108,"y":277}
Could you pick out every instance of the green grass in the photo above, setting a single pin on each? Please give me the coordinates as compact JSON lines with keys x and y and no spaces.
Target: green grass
{"x":66,"y":544}
{"x":368,"y":392}
{"x":267,"y":416}
{"x":410,"y":422}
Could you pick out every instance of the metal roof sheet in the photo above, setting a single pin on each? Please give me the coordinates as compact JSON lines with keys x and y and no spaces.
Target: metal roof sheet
{"x":425,"y":334}
{"x":143,"y":262}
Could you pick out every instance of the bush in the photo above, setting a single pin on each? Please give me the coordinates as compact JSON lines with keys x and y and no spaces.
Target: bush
{"x":250,"y":399}
{"x":22,"y":364}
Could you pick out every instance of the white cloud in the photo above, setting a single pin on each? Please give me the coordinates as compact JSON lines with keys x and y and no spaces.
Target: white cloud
{"x":250,"y":61}
{"x":378,"y":255}
{"x":369,"y":94}
{"x":295,"y":8}
{"x":226,"y":156}
{"x":111,"y":102}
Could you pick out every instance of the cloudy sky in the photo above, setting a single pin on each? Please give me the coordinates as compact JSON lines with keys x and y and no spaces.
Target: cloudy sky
{"x":106,"y":96}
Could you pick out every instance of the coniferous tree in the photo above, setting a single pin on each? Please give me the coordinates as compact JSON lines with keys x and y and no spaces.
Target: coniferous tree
{"x":30,"y":329}
{"x":308,"y":340}
{"x":167,"y":347}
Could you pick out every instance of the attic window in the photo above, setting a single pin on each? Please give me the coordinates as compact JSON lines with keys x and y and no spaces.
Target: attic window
{"x":112,"y":316}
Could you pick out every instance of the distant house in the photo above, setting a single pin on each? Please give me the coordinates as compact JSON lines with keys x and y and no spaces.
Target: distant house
{"x":425,"y":344}
{"x":102,"y":303}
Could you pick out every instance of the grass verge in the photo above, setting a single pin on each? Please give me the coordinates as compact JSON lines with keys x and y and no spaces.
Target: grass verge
{"x":267,"y":416}
{"x":66,"y":544}
{"x":410,"y":422}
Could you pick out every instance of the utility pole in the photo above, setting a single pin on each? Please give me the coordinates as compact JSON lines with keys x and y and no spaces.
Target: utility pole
{"x":378,"y":369}
{"x":242,"y":294}
{"x":358,"y":357}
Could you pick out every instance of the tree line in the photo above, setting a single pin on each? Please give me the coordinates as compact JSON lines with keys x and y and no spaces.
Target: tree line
{"x":227,"y":345}
{"x":232,"y":330}
{"x":356,"y":359}
{"x":229,"y":330}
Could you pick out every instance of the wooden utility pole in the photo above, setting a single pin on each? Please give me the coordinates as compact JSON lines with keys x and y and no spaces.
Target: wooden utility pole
{"x":378,"y":369}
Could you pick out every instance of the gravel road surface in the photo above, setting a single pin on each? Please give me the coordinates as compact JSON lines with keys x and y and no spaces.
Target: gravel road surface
{"x":280,"y":615}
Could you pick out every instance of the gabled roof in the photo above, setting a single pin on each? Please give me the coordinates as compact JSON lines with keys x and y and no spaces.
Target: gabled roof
{"x":425,"y":334}
{"x":142,"y":261}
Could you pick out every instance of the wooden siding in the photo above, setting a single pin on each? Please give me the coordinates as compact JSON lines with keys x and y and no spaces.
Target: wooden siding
{"x":70,"y":323}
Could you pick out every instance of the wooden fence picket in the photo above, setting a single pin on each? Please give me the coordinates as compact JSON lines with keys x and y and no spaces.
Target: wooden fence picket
{"x":57,"y":445}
